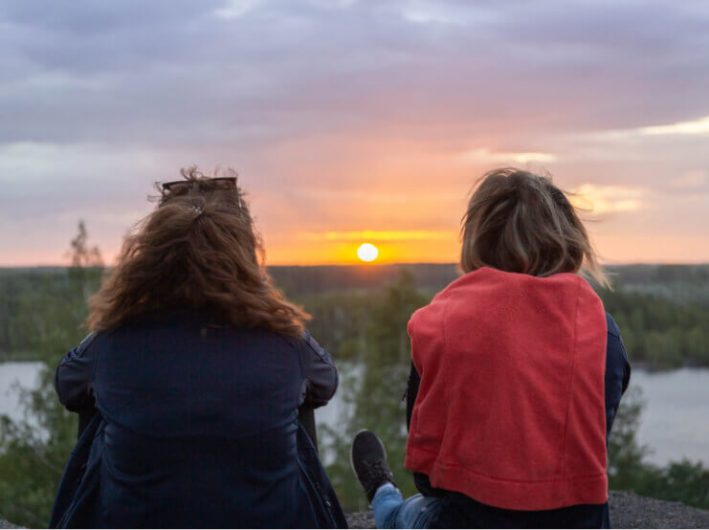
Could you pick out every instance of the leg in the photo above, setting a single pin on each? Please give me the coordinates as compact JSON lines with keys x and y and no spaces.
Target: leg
{"x":369,"y":462}
{"x":386,"y":505}
{"x":392,"y":511}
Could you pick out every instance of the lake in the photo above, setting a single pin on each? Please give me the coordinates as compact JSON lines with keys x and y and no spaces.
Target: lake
{"x":675,"y":421}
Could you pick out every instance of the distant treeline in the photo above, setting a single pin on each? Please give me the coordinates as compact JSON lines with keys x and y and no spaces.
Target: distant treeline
{"x":306,"y":281}
{"x":659,"y":331}
{"x":681,"y":283}
{"x":34,"y":302}
{"x":662,"y":310}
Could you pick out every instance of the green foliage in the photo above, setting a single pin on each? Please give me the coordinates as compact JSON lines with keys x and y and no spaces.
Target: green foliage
{"x":340,"y":320}
{"x":376,"y":394}
{"x":625,"y":454}
{"x":663,"y":324}
{"x":659,"y":331}
{"x":33,"y":451}
{"x":683,"y":481}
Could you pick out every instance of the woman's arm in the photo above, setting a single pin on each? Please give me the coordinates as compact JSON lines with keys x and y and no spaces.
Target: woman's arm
{"x":321,"y":377}
{"x":412,"y":390}
{"x":73,"y":377}
{"x":617,"y":371}
{"x":421,"y":481}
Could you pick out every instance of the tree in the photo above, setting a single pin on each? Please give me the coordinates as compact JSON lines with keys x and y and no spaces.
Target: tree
{"x":34,"y":450}
{"x":375,"y":393}
{"x":625,"y":453}
{"x":81,"y":255}
{"x":683,"y":481}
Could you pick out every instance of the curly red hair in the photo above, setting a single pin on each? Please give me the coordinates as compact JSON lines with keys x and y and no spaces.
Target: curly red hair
{"x":198,"y":249}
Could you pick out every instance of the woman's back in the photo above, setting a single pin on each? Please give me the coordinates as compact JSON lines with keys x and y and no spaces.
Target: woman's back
{"x":510,"y":409}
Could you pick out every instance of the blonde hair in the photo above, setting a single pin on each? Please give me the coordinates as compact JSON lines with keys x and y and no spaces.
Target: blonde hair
{"x":198,"y":249}
{"x":517,"y":221}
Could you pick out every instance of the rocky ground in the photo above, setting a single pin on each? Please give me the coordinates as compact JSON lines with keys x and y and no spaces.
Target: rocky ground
{"x":627,"y":511}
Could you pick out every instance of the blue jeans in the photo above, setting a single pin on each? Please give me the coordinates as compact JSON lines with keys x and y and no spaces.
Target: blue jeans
{"x":392,"y":511}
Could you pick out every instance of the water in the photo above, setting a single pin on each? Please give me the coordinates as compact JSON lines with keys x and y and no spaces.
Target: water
{"x":14,"y":375}
{"x":675,"y":421}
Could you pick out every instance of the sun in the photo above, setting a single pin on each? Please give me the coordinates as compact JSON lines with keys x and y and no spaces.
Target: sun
{"x":367,"y":252}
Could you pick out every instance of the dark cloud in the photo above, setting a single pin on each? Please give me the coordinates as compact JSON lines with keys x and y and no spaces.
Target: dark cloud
{"x":120,"y":71}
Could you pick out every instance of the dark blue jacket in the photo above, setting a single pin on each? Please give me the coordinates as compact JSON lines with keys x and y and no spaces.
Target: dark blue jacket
{"x":197,"y":426}
{"x":459,"y":511}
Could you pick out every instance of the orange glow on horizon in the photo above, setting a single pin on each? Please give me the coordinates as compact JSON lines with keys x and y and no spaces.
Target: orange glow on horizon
{"x":613,"y":250}
{"x":323,"y":250}
{"x":441,"y":247}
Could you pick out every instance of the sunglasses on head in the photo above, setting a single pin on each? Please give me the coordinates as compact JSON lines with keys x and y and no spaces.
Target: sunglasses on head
{"x":225,"y":182}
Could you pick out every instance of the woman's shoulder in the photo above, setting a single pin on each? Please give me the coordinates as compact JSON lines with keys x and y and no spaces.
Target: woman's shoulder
{"x":613,"y":328}
{"x":185,"y":327}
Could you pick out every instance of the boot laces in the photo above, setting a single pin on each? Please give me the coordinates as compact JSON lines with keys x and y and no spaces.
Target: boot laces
{"x":377,"y":470}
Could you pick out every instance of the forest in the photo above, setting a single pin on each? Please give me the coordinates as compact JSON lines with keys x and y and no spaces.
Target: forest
{"x":360,"y":315}
{"x":662,"y":310}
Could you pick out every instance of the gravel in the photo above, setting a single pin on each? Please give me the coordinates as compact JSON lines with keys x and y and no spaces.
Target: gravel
{"x":627,"y":511}
{"x":632,"y":511}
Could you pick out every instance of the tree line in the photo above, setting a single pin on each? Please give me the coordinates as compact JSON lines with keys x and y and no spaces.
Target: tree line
{"x":659,"y":331}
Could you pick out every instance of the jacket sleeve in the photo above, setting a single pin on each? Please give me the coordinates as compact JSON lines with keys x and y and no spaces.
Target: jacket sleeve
{"x":412,"y":390}
{"x":73,"y":378}
{"x":617,"y":371}
{"x":321,"y":377}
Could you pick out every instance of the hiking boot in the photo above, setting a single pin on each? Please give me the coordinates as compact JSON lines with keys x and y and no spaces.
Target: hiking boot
{"x":368,"y":458}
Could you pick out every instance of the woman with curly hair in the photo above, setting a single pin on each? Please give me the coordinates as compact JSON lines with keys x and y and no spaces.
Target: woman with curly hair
{"x":195,"y":370}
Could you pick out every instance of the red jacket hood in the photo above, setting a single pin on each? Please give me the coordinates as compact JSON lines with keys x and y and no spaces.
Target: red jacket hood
{"x":511,"y":410}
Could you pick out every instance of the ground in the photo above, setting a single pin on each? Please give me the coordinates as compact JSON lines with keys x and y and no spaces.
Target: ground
{"x":627,"y":511}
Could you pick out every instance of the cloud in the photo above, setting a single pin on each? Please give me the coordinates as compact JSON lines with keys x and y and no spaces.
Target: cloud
{"x":455,"y":14}
{"x":601,"y":200}
{"x":696,"y":127}
{"x":380,"y":235}
{"x":699,"y":126}
{"x":523,"y":157}
{"x":236,"y":8}
{"x":692,"y":180}
{"x":180,"y":73}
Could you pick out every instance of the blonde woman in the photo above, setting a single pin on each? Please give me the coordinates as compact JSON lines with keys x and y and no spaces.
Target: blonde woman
{"x":516,"y":377}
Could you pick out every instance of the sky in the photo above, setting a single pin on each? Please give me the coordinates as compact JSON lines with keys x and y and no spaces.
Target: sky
{"x":354,"y":121}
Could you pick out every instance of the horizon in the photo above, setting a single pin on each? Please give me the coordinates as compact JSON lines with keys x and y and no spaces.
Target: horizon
{"x":377,"y":265}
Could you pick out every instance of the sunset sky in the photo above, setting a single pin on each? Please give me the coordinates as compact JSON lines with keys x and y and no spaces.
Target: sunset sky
{"x":354,"y":121}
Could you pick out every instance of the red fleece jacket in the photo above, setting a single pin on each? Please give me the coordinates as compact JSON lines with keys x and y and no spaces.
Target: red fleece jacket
{"x":511,"y":410}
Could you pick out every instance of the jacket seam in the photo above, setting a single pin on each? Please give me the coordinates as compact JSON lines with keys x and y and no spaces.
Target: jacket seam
{"x":573,"y":374}
{"x":446,"y":360}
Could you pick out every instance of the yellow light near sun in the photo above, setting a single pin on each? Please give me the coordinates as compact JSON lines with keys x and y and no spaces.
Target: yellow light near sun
{"x":367,"y":252}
